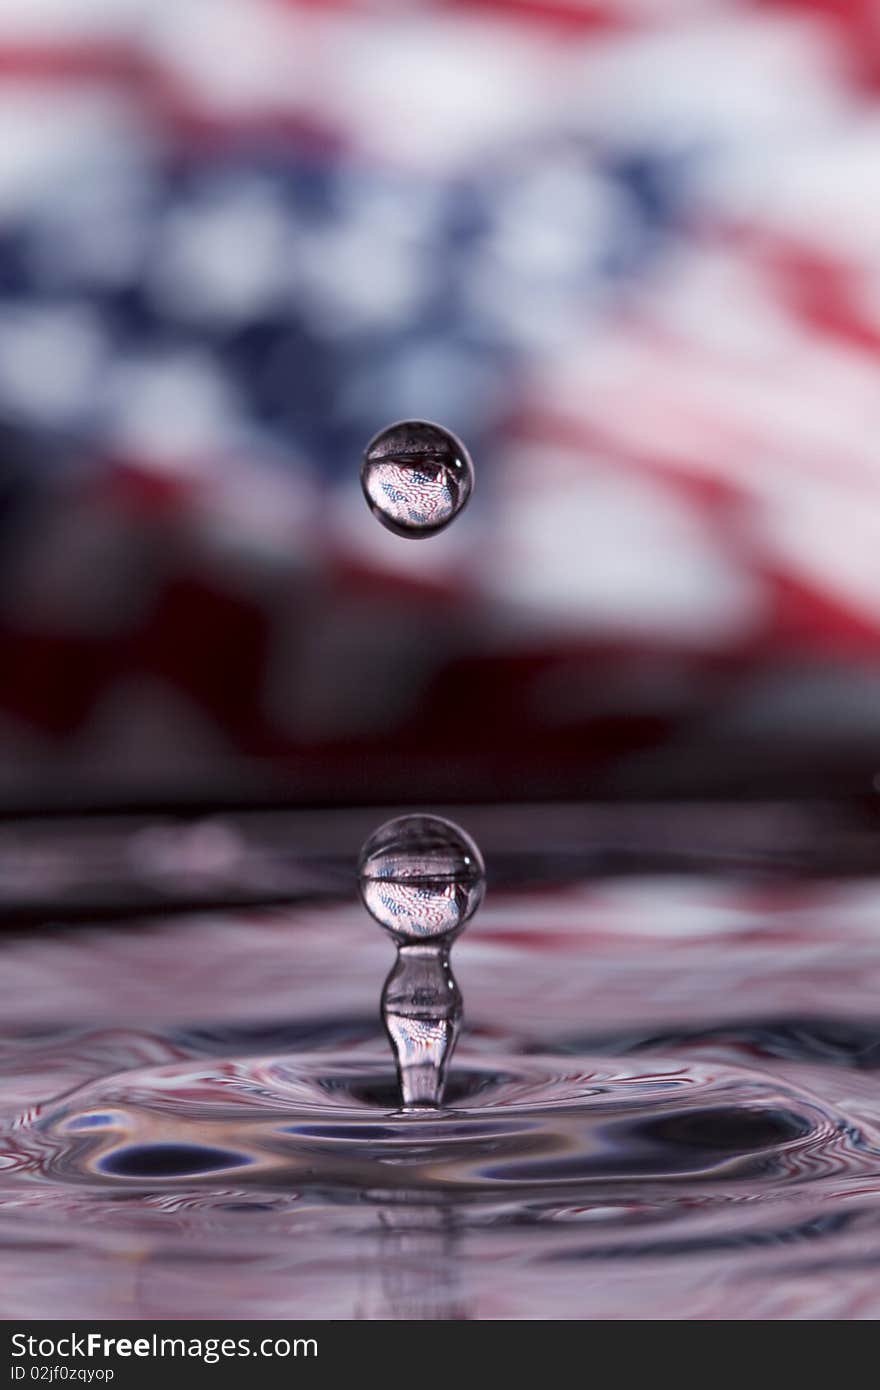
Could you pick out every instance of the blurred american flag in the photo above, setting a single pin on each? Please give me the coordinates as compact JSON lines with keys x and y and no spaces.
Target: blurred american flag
{"x":629,"y":251}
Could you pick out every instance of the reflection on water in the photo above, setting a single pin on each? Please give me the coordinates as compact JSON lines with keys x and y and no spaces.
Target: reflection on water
{"x":664,"y":1104}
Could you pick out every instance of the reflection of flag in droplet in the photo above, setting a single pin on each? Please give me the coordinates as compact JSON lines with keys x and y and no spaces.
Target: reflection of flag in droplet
{"x":418,"y":910}
{"x":411,"y":496}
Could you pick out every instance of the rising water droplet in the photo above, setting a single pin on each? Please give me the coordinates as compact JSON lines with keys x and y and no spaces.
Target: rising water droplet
{"x":421,"y":1011}
{"x":422,"y":878}
{"x":416,"y":477}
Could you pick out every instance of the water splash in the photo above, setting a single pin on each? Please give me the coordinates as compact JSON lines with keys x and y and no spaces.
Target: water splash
{"x":416,"y":478}
{"x":612,"y":1136}
{"x":421,"y":878}
{"x":421,"y":1010}
{"x":583,"y":1129}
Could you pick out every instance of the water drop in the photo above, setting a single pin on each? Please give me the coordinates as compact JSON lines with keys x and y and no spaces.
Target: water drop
{"x":416,"y":477}
{"x":421,"y":878}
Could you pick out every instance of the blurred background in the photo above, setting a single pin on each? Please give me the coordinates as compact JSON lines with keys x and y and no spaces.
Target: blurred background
{"x":628,"y":249}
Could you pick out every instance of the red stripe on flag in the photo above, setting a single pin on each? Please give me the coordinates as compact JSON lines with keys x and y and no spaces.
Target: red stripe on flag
{"x":87,"y":62}
{"x":155,"y":92}
{"x":856,"y":23}
{"x":585,"y":18}
{"x":825,"y":294}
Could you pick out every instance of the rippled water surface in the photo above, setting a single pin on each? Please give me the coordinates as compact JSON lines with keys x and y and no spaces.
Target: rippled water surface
{"x":665,"y":1103}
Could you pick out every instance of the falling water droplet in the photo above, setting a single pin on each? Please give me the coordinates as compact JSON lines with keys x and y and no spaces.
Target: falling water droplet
{"x":421,"y":878}
{"x":416,"y":477}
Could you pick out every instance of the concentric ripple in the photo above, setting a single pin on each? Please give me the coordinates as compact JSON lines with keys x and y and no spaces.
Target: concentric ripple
{"x":329,"y":1122}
